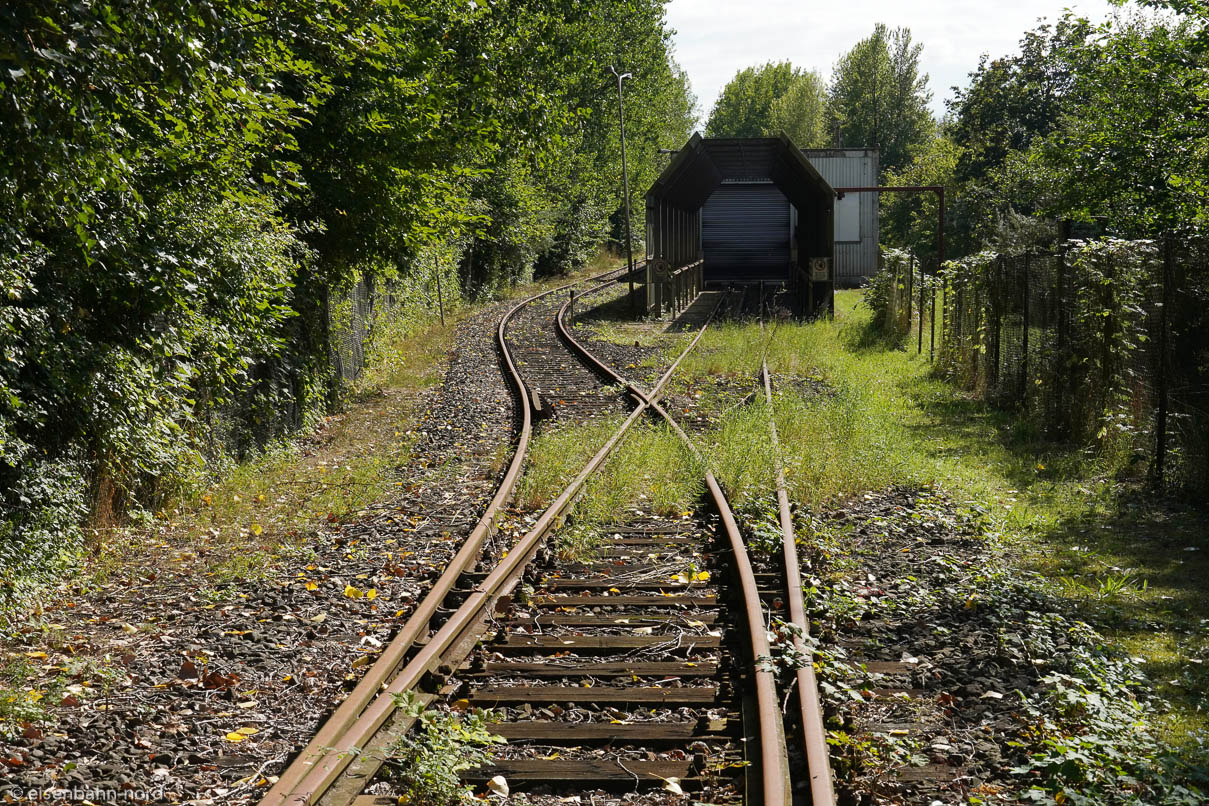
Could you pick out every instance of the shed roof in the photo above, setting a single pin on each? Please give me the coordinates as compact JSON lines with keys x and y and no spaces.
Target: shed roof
{"x":705,"y":163}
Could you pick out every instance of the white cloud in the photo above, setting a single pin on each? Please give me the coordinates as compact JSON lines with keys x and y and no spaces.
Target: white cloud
{"x":716,"y":38}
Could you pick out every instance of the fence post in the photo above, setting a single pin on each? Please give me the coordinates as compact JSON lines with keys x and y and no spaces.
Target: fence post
{"x":1160,"y":448}
{"x":920,"y":345}
{"x":932,"y":323}
{"x":1061,"y":418}
{"x":944,"y":309}
{"x":1024,"y":340}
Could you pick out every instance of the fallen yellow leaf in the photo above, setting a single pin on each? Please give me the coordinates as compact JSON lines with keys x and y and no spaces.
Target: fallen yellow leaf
{"x":352,"y":593}
{"x":235,"y":737}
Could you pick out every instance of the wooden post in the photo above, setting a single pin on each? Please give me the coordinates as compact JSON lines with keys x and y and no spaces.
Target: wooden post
{"x":1160,"y":427}
{"x":436,"y":269}
{"x":920,"y":348}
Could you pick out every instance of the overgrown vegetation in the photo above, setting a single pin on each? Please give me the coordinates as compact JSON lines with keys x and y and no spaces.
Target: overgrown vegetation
{"x":1101,"y":342}
{"x":189,"y":193}
{"x":443,"y":744}
{"x":1096,"y":124}
{"x":886,"y":419}
{"x":1075,"y":714}
{"x":650,"y":471}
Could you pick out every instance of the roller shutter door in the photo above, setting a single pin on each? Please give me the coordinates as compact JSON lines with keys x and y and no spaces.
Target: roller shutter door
{"x":745,"y":234}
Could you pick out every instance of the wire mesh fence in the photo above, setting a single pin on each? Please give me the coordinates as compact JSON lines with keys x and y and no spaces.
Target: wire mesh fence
{"x":359,"y":315}
{"x":1103,"y":342}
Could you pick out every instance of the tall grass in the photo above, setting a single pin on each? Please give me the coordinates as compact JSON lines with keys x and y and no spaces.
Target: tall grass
{"x":835,"y":445}
{"x":556,"y":455}
{"x":890,"y":418}
{"x":651,"y":471}
{"x":740,"y":454}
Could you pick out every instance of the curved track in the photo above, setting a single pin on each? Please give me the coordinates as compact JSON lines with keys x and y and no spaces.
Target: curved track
{"x":773,"y":762}
{"x":466,"y":607}
{"x":366,"y":709}
{"x":809,"y":722}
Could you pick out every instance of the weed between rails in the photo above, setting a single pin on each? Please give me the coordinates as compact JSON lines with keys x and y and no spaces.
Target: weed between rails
{"x":649,"y":473}
{"x":444,"y":743}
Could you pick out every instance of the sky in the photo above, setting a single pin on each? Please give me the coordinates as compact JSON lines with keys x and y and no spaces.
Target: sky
{"x":717,"y":38}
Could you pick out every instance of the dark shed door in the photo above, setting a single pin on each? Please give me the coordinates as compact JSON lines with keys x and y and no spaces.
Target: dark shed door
{"x":745,"y":234}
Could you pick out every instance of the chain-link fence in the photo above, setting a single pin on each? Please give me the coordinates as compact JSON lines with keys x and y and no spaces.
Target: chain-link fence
{"x":907,"y":300}
{"x":351,"y":317}
{"x":357,"y":316}
{"x":1102,"y":341}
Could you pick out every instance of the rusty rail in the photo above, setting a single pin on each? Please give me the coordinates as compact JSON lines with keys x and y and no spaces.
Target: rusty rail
{"x":773,"y":758}
{"x":810,"y":712}
{"x":418,"y":623}
{"x":367,"y":709}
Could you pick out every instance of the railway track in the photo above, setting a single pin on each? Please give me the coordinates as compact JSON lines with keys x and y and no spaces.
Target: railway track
{"x":646,"y":667}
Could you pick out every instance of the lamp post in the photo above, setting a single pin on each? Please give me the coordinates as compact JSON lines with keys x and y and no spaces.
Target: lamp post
{"x":625,"y":179}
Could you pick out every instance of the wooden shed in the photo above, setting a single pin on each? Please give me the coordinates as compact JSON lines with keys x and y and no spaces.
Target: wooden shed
{"x":751,"y":210}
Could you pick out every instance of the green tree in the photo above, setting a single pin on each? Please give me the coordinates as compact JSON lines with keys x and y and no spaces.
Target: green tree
{"x":745,"y":106}
{"x":184,"y":190}
{"x":801,"y":112}
{"x":1015,"y":99}
{"x":1134,"y":152}
{"x":147,"y":271}
{"x":909,"y":220}
{"x":878,"y":98}
{"x":1088,"y":123}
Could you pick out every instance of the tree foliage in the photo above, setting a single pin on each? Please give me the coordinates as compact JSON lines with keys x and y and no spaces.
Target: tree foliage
{"x":801,"y":113}
{"x":1134,"y":153}
{"x":185,"y":187}
{"x":768,"y":100}
{"x":910,"y":220}
{"x":744,"y":108}
{"x":1104,"y":125}
{"x":878,"y":98}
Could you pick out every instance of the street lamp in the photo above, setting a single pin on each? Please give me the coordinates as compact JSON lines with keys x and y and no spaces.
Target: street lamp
{"x":625,"y":179}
